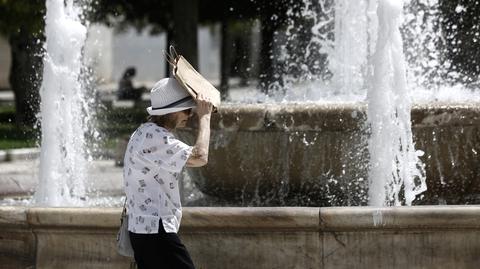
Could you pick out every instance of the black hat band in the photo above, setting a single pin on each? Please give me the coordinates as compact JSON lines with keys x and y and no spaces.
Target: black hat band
{"x":174,"y":104}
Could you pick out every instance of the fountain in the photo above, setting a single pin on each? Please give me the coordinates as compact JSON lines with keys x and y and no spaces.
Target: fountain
{"x":63,"y":108}
{"x":322,"y":142}
{"x":294,"y":154}
{"x":394,"y":164}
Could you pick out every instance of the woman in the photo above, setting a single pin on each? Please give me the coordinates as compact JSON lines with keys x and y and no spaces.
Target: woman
{"x":153,"y":162}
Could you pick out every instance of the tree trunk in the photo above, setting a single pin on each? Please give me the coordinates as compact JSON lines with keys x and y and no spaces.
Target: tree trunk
{"x":25,"y":76}
{"x":225,"y":58}
{"x":243,"y":45}
{"x":185,"y":27}
{"x":168,"y":67}
{"x":267,"y":69}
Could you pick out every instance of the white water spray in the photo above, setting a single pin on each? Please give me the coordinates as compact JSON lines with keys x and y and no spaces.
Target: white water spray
{"x":395,"y":167}
{"x":63,"y":163}
{"x":351,"y":50}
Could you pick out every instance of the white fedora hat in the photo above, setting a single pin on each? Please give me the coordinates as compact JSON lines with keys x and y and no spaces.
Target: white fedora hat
{"x":167,"y":96}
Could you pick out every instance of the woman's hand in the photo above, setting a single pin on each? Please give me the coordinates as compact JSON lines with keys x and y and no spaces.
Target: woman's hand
{"x":204,"y":106}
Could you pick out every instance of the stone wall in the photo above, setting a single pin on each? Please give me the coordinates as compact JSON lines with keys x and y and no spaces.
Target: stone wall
{"x":244,"y":238}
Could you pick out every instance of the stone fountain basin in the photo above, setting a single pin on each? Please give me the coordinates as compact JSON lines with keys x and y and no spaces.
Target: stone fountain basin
{"x":316,"y":154}
{"x":245,"y":238}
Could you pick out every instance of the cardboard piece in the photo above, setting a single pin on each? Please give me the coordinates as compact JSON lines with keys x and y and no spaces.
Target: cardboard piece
{"x":191,"y":80}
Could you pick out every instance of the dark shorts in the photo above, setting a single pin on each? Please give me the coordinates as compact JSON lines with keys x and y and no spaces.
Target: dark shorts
{"x":162,"y":250}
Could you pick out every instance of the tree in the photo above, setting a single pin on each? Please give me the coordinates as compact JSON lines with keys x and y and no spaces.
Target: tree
{"x":177,"y":18}
{"x":21,"y":21}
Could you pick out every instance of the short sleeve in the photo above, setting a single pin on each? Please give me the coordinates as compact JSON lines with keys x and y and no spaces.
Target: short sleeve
{"x":161,"y":148}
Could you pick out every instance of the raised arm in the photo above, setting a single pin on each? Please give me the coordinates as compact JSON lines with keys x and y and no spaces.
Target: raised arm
{"x":199,"y":156}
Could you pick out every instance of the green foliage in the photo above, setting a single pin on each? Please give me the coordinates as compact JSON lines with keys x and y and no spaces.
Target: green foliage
{"x":112,"y":123}
{"x":17,"y":143}
{"x":158,"y":14}
{"x":21,"y":14}
{"x":139,"y":14}
{"x":10,"y":135}
{"x":13,"y":137}
{"x":7,"y":113}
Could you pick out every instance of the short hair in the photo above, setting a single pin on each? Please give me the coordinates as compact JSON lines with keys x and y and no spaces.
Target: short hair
{"x":166,"y":121}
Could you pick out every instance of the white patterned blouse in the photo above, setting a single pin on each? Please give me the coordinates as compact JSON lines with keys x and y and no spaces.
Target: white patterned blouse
{"x":153,"y":161}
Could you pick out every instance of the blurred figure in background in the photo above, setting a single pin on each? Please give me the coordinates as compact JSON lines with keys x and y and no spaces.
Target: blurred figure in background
{"x":126,"y":91}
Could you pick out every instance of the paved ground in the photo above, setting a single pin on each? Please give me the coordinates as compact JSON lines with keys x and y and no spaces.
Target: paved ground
{"x":20,"y":178}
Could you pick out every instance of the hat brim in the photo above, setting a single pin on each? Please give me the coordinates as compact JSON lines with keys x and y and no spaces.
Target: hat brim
{"x":163,"y":111}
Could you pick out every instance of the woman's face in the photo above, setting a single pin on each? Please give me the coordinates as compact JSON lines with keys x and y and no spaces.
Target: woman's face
{"x":181,"y":117}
